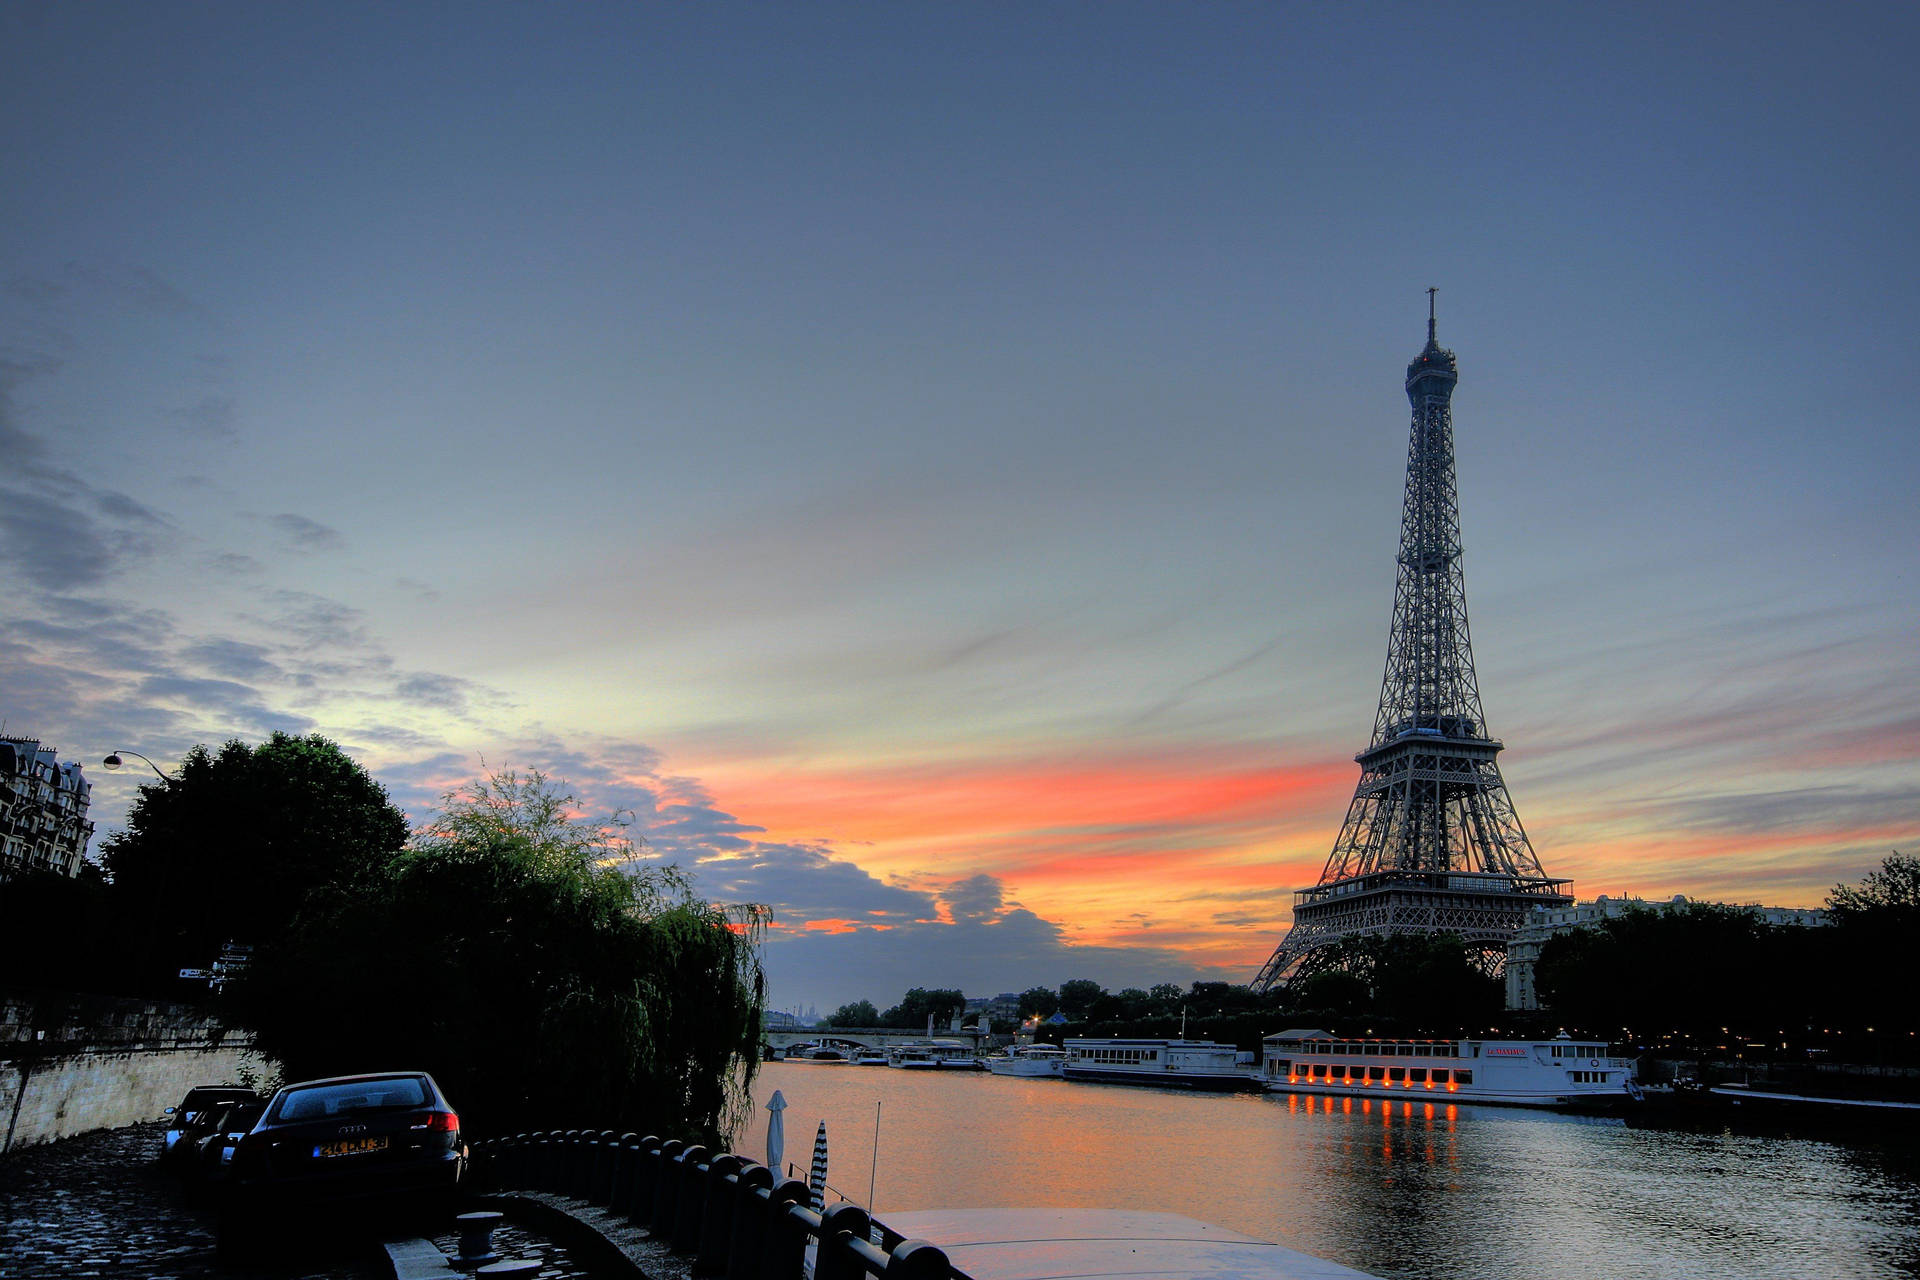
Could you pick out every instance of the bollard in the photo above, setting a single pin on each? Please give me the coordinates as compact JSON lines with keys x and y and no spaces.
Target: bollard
{"x":666,"y":1187}
{"x":586,"y":1154}
{"x":646,"y":1171}
{"x":691,"y":1174}
{"x":783,"y":1249}
{"x":600,"y":1184}
{"x":540,"y":1163}
{"x":476,"y":1239}
{"x":840,"y":1225}
{"x":520,"y":1267}
{"x":752,"y":1190}
{"x":620,"y":1180}
{"x":716,"y":1217}
{"x":918,"y":1260}
{"x":574,"y":1176}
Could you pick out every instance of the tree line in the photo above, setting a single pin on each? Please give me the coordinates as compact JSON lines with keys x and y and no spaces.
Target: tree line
{"x":523,"y":956}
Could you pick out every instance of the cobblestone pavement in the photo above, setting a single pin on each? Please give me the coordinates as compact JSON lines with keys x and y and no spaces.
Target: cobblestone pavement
{"x":100,"y":1205}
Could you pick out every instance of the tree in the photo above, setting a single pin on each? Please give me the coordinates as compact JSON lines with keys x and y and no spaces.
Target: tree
{"x":232,"y":846}
{"x":1042,"y":1002}
{"x":919,"y":1003}
{"x":1077,"y":996}
{"x":1889,"y":896}
{"x":860,"y":1013}
{"x":526,"y":959}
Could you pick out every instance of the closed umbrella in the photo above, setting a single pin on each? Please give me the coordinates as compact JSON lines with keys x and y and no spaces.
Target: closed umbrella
{"x":776,"y":1132}
{"x":817,"y":1180}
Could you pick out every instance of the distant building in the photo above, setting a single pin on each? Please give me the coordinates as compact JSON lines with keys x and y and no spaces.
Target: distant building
{"x":1542,"y":923}
{"x":1004,"y":1007}
{"x":43,"y":810}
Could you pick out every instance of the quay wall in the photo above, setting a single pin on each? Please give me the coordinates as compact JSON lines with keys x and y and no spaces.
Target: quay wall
{"x":70,"y":1064}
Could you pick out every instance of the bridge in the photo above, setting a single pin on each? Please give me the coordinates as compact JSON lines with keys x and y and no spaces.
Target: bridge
{"x":881,"y":1038}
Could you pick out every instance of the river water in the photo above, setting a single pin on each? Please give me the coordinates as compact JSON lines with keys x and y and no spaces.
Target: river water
{"x":1403,"y":1190}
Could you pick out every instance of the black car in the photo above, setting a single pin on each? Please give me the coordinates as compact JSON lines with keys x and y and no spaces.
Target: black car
{"x":187,"y":1122}
{"x":209,"y":1163}
{"x":368,"y":1141}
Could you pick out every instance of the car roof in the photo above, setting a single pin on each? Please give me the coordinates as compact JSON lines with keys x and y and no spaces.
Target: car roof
{"x":368,"y":1076}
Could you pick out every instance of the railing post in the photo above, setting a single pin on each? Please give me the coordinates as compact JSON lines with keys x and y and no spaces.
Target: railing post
{"x":546,"y":1157}
{"x":646,"y":1177}
{"x":580,"y":1163}
{"x":716,"y":1217}
{"x":692,"y":1203}
{"x":620,"y":1177}
{"x":839,"y":1224}
{"x":783,"y":1249}
{"x":918,"y":1260}
{"x":752,"y":1190}
{"x":600,"y":1181}
{"x":666,"y":1188}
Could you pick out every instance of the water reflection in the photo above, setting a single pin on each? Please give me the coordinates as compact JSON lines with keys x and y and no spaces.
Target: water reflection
{"x":1401,"y":1187}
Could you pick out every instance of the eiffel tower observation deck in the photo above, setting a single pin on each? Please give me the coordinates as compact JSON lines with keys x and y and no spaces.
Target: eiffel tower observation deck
{"x":1431,"y":843}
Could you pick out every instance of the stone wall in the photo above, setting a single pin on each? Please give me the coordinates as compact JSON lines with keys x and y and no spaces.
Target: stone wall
{"x":70,"y":1064}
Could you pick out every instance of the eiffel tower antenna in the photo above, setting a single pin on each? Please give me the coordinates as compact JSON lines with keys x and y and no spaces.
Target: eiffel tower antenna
{"x":1431,"y":843}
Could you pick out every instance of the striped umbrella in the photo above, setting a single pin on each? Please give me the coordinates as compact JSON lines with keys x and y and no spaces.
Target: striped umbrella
{"x":817,"y":1180}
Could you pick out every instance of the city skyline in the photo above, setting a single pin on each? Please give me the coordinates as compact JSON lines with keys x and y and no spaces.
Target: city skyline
{"x":941,"y":469}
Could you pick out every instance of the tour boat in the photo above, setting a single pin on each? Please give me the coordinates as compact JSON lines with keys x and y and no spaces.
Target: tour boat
{"x":1040,"y":1060}
{"x":1561,"y":1072}
{"x":1169,"y":1064}
{"x":915,"y":1057}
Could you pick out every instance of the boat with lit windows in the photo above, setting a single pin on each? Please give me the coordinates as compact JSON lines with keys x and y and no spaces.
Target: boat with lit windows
{"x":1168,"y":1064}
{"x":1562,"y":1072}
{"x":1038,"y":1061}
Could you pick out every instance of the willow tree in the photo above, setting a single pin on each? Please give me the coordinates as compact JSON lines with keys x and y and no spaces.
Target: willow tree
{"x":528,"y":959}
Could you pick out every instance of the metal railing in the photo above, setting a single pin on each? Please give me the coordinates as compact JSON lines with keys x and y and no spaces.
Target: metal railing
{"x":731,"y":1216}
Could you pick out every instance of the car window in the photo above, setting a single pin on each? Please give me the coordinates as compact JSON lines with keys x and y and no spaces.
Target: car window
{"x":323,"y":1102}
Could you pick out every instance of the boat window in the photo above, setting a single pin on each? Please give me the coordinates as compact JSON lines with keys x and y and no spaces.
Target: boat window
{"x":1440,"y":1075}
{"x":1417,"y":1074}
{"x":1461,"y":1076}
{"x":1396,"y":1073}
{"x":1319,"y":1070}
{"x":1376,"y":1073}
{"x":1406,"y":1050}
{"x":1280,"y":1067}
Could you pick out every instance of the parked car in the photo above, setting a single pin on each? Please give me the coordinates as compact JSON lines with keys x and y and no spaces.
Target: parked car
{"x":371,"y":1141}
{"x":186,"y":1122}
{"x":208,"y":1166}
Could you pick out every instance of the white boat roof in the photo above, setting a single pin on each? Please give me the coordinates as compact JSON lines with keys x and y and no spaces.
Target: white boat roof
{"x":1086,"y":1244}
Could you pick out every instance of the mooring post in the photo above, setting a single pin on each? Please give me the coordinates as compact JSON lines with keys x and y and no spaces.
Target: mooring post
{"x":666,"y":1187}
{"x":752,"y":1189}
{"x":783,"y":1249}
{"x":840,"y":1225}
{"x":692,"y":1204}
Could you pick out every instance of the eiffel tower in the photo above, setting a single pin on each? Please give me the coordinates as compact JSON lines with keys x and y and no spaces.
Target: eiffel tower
{"x":1431,"y":843}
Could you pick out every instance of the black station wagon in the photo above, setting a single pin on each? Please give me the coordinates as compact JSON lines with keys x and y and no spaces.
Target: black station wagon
{"x":374,"y":1140}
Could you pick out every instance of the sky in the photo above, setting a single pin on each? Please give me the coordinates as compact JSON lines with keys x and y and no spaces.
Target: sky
{"x":939,"y":466}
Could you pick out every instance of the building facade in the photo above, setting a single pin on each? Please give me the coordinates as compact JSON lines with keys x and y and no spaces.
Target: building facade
{"x":1543,"y":923}
{"x":43,"y":810}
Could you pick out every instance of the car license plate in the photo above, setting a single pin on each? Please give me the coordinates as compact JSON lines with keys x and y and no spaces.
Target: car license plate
{"x":349,"y":1147}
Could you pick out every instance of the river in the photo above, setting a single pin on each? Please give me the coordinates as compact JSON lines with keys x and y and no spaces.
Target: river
{"x":1407,"y":1191}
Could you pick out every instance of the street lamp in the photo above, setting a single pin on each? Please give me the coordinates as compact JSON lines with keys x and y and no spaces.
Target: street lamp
{"x":114,"y":761}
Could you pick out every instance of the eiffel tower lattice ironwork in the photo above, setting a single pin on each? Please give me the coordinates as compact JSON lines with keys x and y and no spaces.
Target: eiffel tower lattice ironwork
{"x":1431,"y":843}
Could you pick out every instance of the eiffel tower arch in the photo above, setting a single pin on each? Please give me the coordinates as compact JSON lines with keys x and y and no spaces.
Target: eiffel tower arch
{"x":1431,"y":843}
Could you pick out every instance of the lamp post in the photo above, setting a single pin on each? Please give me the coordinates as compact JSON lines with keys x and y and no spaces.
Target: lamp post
{"x":114,"y":762}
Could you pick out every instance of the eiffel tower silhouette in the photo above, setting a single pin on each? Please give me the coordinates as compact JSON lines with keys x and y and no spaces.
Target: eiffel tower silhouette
{"x":1431,"y":843}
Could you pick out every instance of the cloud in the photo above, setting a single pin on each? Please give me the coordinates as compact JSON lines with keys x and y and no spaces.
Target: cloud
{"x":441,"y":692}
{"x":51,"y":528}
{"x":212,"y":417}
{"x":303,"y":534}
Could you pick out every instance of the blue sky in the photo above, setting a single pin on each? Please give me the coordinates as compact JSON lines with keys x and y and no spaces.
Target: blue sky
{"x":945,"y":461}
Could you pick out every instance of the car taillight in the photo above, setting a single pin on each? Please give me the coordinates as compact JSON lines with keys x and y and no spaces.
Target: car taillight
{"x":438,"y":1122}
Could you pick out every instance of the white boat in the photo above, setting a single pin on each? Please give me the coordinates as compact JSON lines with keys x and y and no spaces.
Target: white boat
{"x":1561,"y":1072}
{"x":815,"y":1053}
{"x":1037,"y":1060}
{"x":1169,"y":1064}
{"x":915,"y":1057}
{"x":869,"y":1058}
